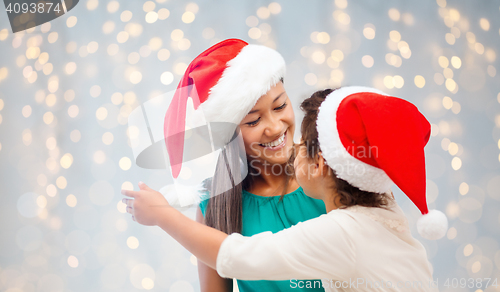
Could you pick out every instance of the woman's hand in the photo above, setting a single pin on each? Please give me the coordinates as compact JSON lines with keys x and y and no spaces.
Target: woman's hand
{"x":146,"y":205}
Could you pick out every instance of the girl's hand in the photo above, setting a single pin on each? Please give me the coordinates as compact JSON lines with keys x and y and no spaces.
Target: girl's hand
{"x":146,"y":205}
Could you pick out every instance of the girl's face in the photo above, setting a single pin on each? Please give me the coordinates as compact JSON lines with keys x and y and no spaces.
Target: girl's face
{"x":268,"y":128}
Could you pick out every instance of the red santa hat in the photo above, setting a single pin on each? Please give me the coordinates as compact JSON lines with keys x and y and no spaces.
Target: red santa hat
{"x":222,"y":84}
{"x":378,"y":140}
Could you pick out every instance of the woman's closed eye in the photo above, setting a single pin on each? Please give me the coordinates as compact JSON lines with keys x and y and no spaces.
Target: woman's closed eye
{"x":281,"y":106}
{"x":254,"y":122}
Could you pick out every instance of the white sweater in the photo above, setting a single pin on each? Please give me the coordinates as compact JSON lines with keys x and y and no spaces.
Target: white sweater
{"x":352,"y":249}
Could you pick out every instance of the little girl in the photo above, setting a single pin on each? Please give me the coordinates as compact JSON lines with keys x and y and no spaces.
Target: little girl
{"x":356,"y":142}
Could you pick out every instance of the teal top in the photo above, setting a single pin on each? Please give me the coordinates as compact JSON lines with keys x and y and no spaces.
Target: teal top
{"x":262,"y":214}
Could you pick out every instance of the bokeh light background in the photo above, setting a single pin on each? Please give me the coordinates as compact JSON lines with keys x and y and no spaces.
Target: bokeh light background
{"x":68,"y":86}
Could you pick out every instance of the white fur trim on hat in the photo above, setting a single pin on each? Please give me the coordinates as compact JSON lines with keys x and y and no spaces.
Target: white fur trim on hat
{"x":247,"y":77}
{"x":354,"y":171}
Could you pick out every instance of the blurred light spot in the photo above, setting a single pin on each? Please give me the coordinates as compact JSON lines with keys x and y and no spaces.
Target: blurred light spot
{"x":113,"y":6}
{"x":26,"y":111}
{"x":337,"y":55}
{"x":394,"y":14}
{"x":450,"y":38}
{"x":456,"y":62}
{"x":148,"y":6}
{"x":48,"y":118}
{"x":490,"y":55}
{"x":176,"y":35}
{"x":132,"y":242}
{"x":51,"y":190}
{"x":342,"y":4}
{"x":125,"y":163}
{"x":180,"y":68}
{"x":167,"y":78}
{"x":310,"y":79}
{"x":71,"y":21}
{"x":72,"y":261}
{"x":163,"y":54}
{"x":439,"y":78}
{"x":116,"y":98}
{"x":66,"y":161}
{"x":113,"y":49}
{"x":341,"y":17}
{"x":107,"y":138}
{"x":419,"y":81}
{"x":126,"y":16}
{"x":147,"y":283}
{"x":450,"y":84}
{"x":274,"y":8}
{"x":369,"y":31}
{"x":95,"y":91}
{"x":479,"y":48}
{"x":156,"y":43}
{"x":463,"y":188}
{"x":163,"y":13}
{"x":395,"y":36}
{"x":4,"y":33}
{"x":447,"y":102}
{"x":408,"y":18}
{"x":192,"y":7}
{"x":71,"y":47}
{"x":254,"y":33}
{"x":99,"y":157}
{"x":456,"y":107}
{"x":188,"y":17}
{"x":70,"y":68}
{"x":73,"y":111}
{"x":367,"y":61}
{"x":122,"y":37}
{"x":61,"y":182}
{"x":92,"y":4}
{"x":127,"y":186}
{"x":92,"y":47}
{"x":452,"y":233}
{"x":491,"y":71}
{"x":485,"y":24}
{"x":151,"y":17}
{"x":476,"y":267}
{"x":121,"y":225}
{"x":318,"y":57}
{"x":75,"y":136}
{"x":323,"y":38}
{"x":453,"y":148}
{"x":41,"y":201}
{"x":443,"y":61}
{"x":71,"y":200}
{"x":101,"y":113}
{"x":456,"y":163}
{"x":263,"y":12}
{"x":389,"y":82}
{"x":135,"y":77}
{"x":183,"y":44}
{"x":471,"y":37}
{"x":108,"y":27}
{"x":122,"y":208}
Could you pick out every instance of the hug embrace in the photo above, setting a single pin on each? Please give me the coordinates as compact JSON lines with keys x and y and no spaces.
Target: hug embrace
{"x":328,"y":216}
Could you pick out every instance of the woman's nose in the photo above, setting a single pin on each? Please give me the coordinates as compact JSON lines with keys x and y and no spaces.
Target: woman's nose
{"x":274,"y":127}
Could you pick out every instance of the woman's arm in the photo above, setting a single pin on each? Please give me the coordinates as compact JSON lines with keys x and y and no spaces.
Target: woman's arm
{"x":210,"y":281}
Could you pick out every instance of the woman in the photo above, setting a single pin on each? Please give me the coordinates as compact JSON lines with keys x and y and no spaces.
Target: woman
{"x":234,"y":83}
{"x":364,"y":242}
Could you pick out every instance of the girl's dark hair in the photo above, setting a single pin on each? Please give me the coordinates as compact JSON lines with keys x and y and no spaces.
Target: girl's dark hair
{"x":348,"y":195}
{"x":224,"y":211}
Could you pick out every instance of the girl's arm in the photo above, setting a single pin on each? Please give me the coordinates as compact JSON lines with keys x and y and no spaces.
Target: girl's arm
{"x":210,"y":281}
{"x":150,"y":207}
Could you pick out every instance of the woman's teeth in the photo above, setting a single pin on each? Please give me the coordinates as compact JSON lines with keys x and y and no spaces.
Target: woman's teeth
{"x":275,"y":142}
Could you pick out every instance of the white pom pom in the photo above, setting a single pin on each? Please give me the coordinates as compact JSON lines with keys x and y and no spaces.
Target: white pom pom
{"x":182,"y":196}
{"x":432,"y":225}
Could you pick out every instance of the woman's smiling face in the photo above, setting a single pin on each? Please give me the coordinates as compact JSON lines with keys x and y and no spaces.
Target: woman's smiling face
{"x":268,"y":128}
